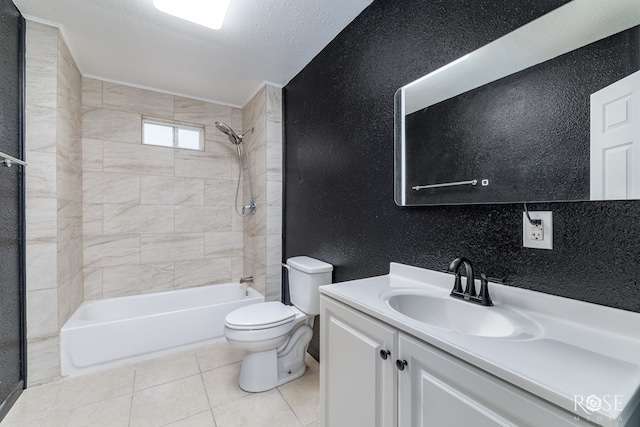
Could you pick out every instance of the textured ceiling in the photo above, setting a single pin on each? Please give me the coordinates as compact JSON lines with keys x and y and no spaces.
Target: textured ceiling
{"x":129,"y":41}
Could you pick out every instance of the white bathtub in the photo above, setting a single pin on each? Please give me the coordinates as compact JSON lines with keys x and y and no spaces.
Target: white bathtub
{"x":111,"y":332}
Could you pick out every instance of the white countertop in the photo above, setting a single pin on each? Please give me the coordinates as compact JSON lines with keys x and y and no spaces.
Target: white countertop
{"x":568,"y":348}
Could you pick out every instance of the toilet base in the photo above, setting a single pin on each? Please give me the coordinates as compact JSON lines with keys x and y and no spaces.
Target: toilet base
{"x":264,"y":370}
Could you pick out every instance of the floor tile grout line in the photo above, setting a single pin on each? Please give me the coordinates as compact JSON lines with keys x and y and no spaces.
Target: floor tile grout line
{"x":166,"y":382}
{"x":289,"y":405}
{"x":204,"y":383}
{"x":133,"y":387}
{"x":51,"y":403}
{"x":186,"y":418}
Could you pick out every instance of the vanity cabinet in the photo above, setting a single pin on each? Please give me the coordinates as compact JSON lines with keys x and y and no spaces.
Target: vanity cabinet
{"x":358,"y":376}
{"x":416,"y":385}
{"x":437,"y":389}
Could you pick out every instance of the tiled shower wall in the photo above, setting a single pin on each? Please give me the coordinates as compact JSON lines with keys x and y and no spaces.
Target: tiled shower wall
{"x":108,"y":216}
{"x":155,"y":218}
{"x":54,"y":196}
{"x":263,"y":231}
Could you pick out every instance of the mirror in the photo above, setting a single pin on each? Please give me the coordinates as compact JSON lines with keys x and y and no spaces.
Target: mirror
{"x":541,"y":114}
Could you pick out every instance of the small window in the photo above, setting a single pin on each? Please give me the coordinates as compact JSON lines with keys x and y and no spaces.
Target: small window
{"x":176,"y":135}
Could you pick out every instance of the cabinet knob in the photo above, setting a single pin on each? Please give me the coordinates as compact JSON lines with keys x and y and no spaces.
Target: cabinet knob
{"x":385,"y":354}
{"x":400,"y":364}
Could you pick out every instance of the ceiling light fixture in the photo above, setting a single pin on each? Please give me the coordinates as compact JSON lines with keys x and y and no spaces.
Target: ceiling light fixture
{"x":209,"y":13}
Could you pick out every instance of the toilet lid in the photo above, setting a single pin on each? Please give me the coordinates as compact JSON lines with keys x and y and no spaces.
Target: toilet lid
{"x":260,"y":316}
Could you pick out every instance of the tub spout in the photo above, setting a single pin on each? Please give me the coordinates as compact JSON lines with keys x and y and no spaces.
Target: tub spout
{"x":248,"y":279}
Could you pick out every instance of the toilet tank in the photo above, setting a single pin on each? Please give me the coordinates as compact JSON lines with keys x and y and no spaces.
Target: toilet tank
{"x":306,"y":274}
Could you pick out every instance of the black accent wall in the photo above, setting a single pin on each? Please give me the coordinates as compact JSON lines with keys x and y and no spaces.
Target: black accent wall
{"x":12,"y":337}
{"x":338,"y":190}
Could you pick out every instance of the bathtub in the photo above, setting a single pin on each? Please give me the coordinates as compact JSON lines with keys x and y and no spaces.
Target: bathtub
{"x":115,"y":331}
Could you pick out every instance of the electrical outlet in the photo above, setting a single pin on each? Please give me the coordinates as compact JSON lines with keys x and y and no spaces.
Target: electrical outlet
{"x":537,"y":236}
{"x":536,"y":232}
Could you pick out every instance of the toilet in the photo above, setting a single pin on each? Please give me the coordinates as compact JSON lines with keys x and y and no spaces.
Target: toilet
{"x":276,"y":336}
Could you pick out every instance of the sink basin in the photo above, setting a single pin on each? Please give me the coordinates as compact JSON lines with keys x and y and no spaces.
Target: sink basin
{"x":451,"y":314}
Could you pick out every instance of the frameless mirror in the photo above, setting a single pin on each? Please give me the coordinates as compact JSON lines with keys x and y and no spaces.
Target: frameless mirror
{"x":545,"y":113}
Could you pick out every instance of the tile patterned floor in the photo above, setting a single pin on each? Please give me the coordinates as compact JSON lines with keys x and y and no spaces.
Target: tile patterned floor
{"x":188,"y":389}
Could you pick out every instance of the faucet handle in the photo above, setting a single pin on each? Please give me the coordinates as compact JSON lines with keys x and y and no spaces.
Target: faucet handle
{"x":485,"y":299}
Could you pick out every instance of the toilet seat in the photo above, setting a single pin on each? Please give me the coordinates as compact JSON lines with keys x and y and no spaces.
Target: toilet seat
{"x":260,"y":316}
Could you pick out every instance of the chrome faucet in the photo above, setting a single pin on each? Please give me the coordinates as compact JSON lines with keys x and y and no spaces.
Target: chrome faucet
{"x":469,"y":292}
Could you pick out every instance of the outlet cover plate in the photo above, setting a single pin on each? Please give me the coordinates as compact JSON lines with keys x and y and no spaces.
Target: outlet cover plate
{"x":547,"y":224}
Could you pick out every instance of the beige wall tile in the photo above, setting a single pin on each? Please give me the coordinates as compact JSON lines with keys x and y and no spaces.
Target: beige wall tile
{"x":221,"y":192}
{"x":198,"y":164}
{"x":137,"y":279}
{"x":274,"y":162}
{"x":41,"y":174}
{"x":273,"y":284}
{"x":41,"y":65}
{"x":136,"y":219}
{"x":237,"y":222}
{"x":237,"y":269}
{"x":274,"y":193}
{"x":41,"y":266}
{"x":172,"y":191}
{"x":103,"y":187}
{"x":41,"y":218}
{"x":274,"y":220}
{"x":91,"y":92}
{"x":40,"y":128}
{"x":69,"y":187}
{"x":69,"y":221}
{"x":91,"y":154}
{"x":69,"y":267}
{"x":137,"y":159}
{"x":218,"y":144}
{"x":134,"y":100}
{"x":172,"y":247}
{"x":108,"y":251}
{"x":223,"y":244}
{"x":43,"y":361}
{"x":92,"y":283}
{"x":197,"y":219}
{"x":112,"y":125}
{"x":70,"y":295}
{"x":92,"y":220}
{"x":236,"y":118}
{"x":274,"y":103}
{"x":202,"y":272}
{"x":42,"y":313}
{"x":195,"y":111}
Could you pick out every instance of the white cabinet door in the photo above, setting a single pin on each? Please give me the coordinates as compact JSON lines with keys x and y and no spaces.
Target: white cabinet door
{"x":357,"y":385}
{"x":437,"y":390}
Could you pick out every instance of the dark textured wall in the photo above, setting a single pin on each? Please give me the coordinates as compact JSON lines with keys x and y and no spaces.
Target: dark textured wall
{"x":11,"y":230}
{"x":339,"y":204}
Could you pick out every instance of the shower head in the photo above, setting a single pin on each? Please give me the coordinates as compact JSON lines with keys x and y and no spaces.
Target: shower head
{"x":226,"y":129}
